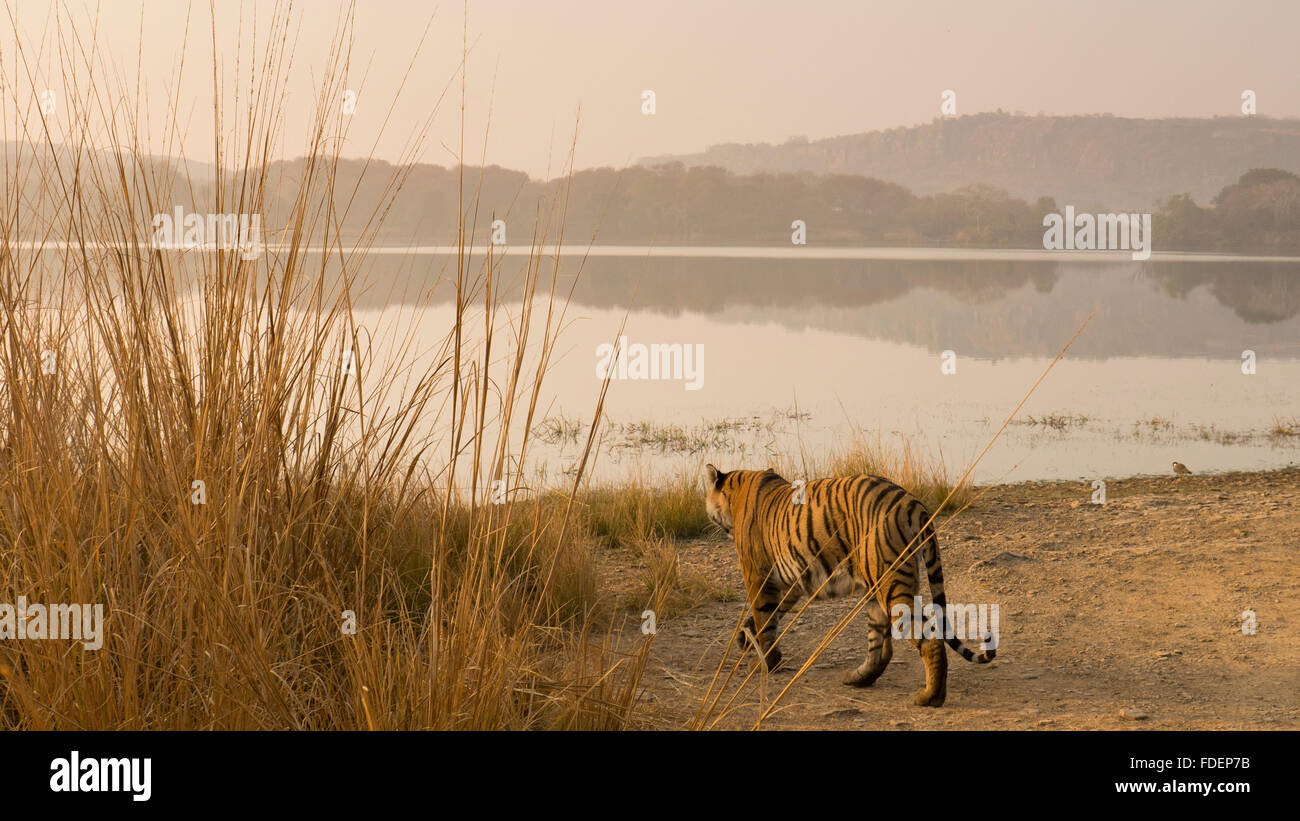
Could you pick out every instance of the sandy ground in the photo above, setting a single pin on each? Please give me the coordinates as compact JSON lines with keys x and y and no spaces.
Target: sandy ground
{"x":1127,"y":615}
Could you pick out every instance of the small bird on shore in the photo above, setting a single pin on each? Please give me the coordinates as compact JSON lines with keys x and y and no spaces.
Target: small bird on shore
{"x":1181,"y":469}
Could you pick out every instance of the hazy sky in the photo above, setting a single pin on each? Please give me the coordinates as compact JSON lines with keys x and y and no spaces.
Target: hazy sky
{"x":721,"y":72}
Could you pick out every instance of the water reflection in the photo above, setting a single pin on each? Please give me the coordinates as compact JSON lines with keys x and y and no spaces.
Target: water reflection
{"x":990,"y":309}
{"x":855,"y":344}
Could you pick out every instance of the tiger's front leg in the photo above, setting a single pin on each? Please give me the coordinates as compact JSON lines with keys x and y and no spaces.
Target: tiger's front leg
{"x":746,"y":634}
{"x":743,"y":638}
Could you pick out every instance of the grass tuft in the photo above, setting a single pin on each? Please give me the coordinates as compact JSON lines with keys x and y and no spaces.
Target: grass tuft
{"x":280,"y":539}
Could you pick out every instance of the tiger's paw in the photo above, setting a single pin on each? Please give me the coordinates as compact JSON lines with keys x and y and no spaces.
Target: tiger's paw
{"x":924,"y":698}
{"x":855,"y":678}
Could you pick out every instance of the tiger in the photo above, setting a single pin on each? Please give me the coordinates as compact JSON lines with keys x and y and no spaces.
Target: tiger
{"x":835,"y":539}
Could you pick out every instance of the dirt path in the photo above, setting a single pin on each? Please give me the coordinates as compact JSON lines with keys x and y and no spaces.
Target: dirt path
{"x":1134,"y":606}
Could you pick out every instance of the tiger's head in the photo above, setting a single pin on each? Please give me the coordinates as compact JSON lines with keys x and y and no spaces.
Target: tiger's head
{"x":723,"y":487}
{"x":716,"y":503}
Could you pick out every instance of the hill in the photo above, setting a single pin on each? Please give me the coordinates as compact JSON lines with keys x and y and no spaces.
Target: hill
{"x":1093,"y":162}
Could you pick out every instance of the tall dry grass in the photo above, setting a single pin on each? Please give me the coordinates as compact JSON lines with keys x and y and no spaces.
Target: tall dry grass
{"x":323,"y":490}
{"x":925,"y":476}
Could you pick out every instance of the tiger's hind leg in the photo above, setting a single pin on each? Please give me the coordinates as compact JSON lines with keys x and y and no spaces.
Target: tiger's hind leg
{"x":935,"y":657}
{"x":880,"y":649}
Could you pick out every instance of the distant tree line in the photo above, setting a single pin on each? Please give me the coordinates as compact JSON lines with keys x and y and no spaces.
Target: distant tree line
{"x":673,"y":204}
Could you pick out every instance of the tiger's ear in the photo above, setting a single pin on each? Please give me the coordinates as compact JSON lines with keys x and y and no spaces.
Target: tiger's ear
{"x":715,"y":476}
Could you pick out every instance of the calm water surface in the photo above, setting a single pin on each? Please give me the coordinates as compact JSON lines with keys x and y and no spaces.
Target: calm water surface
{"x":803,"y":352}
{"x":802,"y":355}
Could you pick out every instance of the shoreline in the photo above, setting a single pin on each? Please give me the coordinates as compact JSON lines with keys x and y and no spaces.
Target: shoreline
{"x":1147,"y":477}
{"x":737,"y":251}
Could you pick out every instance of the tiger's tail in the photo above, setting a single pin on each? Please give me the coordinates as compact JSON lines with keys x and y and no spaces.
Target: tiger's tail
{"x":934,"y":571}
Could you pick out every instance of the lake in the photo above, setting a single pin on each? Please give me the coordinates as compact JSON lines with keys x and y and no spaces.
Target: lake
{"x":801,"y":351}
{"x":801,"y":354}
